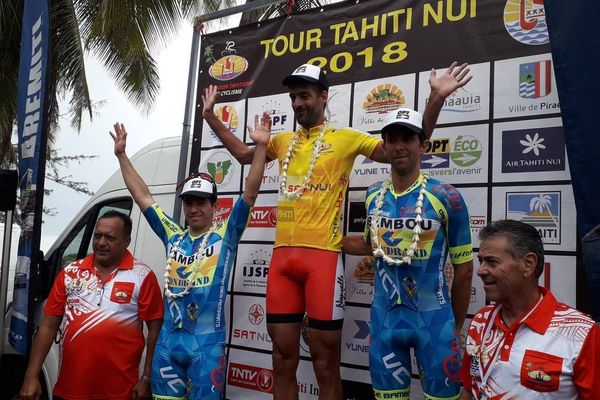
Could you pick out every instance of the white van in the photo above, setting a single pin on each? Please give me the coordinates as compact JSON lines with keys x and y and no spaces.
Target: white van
{"x":157,"y":163}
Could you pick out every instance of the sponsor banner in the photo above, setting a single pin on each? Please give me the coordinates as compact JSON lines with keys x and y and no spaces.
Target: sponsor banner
{"x":252,"y":268}
{"x":469,"y":103}
{"x":279,"y":108}
{"x":360,"y":275}
{"x":356,"y":384}
{"x":270,"y":179}
{"x":549,"y":208}
{"x":476,"y":200}
{"x":338,"y":105}
{"x":525,"y":86}
{"x":531,"y":150}
{"x":558,"y":277}
{"x":249,"y":326}
{"x":31,"y":131}
{"x":356,"y":336}
{"x":224,"y":169}
{"x":366,"y":172}
{"x":224,"y":208}
{"x":357,"y":217}
{"x":458,"y":155}
{"x":232,"y":116}
{"x":373,"y":99}
{"x":263,"y":217}
{"x":525,"y":21}
{"x":250,"y":377}
{"x":477,"y":299}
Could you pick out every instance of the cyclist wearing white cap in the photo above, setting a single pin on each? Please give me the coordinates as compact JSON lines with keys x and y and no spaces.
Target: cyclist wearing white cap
{"x":189,"y":359}
{"x":306,"y":272}
{"x":413,"y":224}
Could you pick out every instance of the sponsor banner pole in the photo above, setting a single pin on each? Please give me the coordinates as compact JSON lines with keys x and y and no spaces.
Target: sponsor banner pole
{"x":189,"y":107}
{"x":31,"y":126}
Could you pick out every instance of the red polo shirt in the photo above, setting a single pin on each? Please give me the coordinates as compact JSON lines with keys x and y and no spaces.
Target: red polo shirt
{"x":102,"y":342}
{"x":550,"y":353}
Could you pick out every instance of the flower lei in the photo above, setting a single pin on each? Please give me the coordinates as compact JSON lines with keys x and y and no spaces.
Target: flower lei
{"x":297,"y":192}
{"x":198,"y":258}
{"x":378,"y":251}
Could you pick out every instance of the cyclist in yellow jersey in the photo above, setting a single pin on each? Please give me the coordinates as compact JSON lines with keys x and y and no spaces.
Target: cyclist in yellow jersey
{"x":306,"y":272}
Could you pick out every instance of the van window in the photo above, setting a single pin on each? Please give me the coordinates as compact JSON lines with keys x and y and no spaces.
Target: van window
{"x":123,"y":206}
{"x":78,"y":242}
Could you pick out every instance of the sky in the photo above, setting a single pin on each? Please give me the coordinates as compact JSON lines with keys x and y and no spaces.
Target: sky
{"x":164,"y":120}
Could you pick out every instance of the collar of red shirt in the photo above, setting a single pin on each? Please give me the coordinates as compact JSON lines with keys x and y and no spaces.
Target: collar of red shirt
{"x":539,"y":318}
{"x":126,"y":262}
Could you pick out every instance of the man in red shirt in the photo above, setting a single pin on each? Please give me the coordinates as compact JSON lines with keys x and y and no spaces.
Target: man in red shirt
{"x":526,"y":345}
{"x":104,"y":297}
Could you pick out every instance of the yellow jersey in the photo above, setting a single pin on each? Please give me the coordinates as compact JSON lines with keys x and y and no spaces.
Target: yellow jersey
{"x":314,"y":219}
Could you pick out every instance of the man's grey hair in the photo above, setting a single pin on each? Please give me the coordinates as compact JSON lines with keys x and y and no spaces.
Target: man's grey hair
{"x":522,"y":238}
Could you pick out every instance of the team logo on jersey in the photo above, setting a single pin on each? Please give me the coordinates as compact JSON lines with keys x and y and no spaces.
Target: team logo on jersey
{"x":256,"y":314}
{"x":410,"y":287}
{"x":462,"y":101}
{"x":229,"y":66}
{"x":122,"y":292}
{"x":535,"y":79}
{"x":533,"y":150}
{"x":192,"y":311}
{"x":220,"y":166}
{"x":525,"y":21}
{"x":538,"y":209}
{"x":385,"y":97}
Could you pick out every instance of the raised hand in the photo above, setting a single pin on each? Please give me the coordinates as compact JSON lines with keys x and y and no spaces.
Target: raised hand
{"x":209,"y":98}
{"x":120,"y":138}
{"x":456,"y":76}
{"x":262,"y":129}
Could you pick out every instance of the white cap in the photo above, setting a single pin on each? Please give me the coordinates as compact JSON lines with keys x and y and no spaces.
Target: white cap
{"x":201,"y":185}
{"x":309,"y":73}
{"x":407,"y":117}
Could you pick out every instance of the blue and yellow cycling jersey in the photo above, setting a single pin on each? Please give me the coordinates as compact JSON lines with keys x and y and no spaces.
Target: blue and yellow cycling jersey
{"x":422,"y":285}
{"x":200,"y":312}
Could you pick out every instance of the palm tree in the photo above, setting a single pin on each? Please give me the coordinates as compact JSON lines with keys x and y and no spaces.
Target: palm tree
{"x":121,"y":34}
{"x":541,"y":202}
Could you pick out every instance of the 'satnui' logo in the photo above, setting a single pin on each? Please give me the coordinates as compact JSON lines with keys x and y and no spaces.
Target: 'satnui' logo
{"x":525,"y":21}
